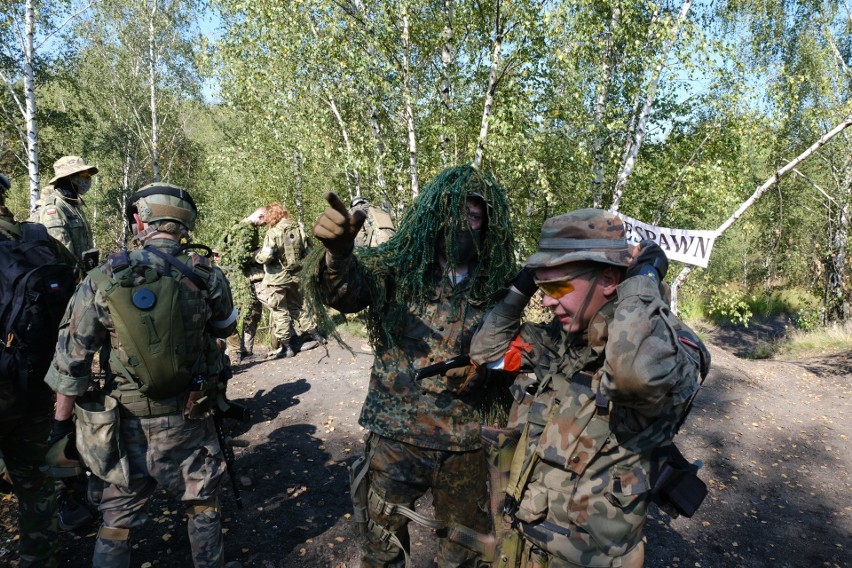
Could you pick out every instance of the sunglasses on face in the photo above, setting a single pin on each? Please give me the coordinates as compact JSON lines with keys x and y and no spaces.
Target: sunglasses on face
{"x":558,"y":287}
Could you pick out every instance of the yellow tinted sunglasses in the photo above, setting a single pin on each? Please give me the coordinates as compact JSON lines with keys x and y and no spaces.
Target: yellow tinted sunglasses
{"x":558,"y":287}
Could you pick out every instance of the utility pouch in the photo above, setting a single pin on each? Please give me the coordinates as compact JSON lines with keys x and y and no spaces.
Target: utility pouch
{"x":678,"y":490}
{"x":98,"y":438}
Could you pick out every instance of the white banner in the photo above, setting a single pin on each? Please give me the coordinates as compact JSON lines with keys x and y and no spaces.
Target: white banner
{"x":692,"y":247}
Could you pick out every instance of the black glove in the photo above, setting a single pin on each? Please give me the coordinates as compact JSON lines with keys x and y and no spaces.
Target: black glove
{"x":59,"y":430}
{"x":524,"y":282}
{"x":336,"y":227}
{"x":651,"y":262}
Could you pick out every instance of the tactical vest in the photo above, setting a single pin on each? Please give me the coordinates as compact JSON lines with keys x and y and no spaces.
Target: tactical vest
{"x":160,"y":342}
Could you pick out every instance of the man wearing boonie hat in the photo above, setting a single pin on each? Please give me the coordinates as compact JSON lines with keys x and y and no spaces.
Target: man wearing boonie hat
{"x":61,"y":207}
{"x":611,"y":374}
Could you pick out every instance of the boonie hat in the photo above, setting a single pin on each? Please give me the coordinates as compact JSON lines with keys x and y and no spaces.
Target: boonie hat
{"x":584,"y":235}
{"x":70,"y":165}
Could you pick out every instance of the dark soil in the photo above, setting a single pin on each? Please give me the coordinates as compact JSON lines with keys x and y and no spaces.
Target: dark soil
{"x":773,"y":437}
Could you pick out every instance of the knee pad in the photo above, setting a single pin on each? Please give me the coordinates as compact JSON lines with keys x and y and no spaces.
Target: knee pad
{"x":196,"y":508}
{"x":113,"y":533}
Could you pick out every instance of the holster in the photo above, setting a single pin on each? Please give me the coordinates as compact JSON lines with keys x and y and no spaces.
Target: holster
{"x":678,"y":489}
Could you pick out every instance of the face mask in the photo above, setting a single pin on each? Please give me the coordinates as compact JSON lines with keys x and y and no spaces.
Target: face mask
{"x":467,"y":245}
{"x":81,"y":184}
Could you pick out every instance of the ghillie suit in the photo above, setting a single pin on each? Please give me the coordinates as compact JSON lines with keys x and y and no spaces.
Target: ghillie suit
{"x":410,"y":257}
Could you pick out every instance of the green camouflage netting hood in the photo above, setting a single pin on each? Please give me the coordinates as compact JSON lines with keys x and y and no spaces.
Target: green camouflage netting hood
{"x":409,"y":260}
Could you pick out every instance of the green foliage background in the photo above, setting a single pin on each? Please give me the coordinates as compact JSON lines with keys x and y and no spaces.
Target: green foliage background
{"x":285,"y":101}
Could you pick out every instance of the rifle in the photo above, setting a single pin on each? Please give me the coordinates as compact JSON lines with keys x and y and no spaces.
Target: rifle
{"x":443,"y":367}
{"x":228,"y":409}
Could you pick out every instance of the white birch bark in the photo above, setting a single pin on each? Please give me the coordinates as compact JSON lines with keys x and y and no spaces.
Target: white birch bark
{"x":772,"y":180}
{"x":492,"y":87}
{"x":447,"y":61}
{"x":641,"y":124}
{"x":371,"y":97}
{"x":607,"y":72}
{"x":409,"y":105}
{"x":152,"y":80}
{"x":355,"y":187}
{"x":29,"y":93}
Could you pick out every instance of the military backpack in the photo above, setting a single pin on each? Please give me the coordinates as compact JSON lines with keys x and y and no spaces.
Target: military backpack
{"x":159,"y":341}
{"x":35,"y":287}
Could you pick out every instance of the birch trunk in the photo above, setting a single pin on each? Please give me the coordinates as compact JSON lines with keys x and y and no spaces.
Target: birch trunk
{"x":371,"y":97}
{"x":836,"y":309}
{"x":773,"y":179}
{"x":641,"y":124}
{"x":409,"y":106}
{"x":492,"y":87}
{"x":353,"y":173}
{"x":29,"y":88}
{"x":599,"y":168}
{"x":152,"y":80}
{"x":447,"y":61}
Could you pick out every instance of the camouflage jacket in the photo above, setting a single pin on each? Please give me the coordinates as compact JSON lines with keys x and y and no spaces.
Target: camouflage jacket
{"x":240,"y":244}
{"x":591,"y":436}
{"x":87,"y":324}
{"x":65,"y":222}
{"x":281,"y":256}
{"x":427,"y":413}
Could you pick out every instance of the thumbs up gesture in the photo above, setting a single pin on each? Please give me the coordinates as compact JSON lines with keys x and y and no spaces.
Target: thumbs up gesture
{"x":336,"y":228}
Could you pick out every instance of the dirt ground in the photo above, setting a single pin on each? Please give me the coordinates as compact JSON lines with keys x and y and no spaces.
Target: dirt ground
{"x":773,"y":437}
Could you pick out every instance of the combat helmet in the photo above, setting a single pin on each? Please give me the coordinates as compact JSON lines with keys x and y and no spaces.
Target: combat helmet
{"x":584,"y":235}
{"x":162,"y":202}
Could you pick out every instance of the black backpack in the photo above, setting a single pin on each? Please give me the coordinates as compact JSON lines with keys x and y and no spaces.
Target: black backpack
{"x":35,"y":287}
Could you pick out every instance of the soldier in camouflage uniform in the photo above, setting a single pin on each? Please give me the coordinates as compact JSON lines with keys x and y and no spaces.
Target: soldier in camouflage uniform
{"x":24,"y":428}
{"x":239,"y":246}
{"x":164,"y":444}
{"x":61,"y":207}
{"x":284,"y":247}
{"x":426,"y":291}
{"x":613,"y":372}
{"x":378,"y":226}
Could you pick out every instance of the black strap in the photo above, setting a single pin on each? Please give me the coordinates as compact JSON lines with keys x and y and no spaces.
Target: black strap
{"x":184,"y":269}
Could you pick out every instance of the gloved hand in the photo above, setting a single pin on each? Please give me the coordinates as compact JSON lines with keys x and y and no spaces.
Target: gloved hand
{"x":336,"y":227}
{"x":524,"y":282}
{"x":649,"y":260}
{"x":59,"y":430}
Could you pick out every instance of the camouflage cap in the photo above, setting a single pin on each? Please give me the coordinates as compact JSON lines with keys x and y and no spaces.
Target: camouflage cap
{"x":584,"y":235}
{"x":70,"y":165}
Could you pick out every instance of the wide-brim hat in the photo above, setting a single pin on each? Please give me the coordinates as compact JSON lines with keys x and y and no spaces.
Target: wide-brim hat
{"x":70,"y":165}
{"x":584,"y":235}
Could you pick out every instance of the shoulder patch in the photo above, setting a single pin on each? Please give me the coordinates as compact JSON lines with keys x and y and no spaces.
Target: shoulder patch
{"x":51,"y":211}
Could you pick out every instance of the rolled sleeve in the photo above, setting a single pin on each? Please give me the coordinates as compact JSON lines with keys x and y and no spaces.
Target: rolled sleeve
{"x":645,"y":362}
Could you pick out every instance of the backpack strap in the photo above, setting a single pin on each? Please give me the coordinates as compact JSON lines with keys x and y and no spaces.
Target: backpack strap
{"x":34,"y":232}
{"x":182,"y":268}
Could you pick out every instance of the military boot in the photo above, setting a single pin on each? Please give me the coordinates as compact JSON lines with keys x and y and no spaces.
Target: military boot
{"x":315,"y":340}
{"x":284,"y":351}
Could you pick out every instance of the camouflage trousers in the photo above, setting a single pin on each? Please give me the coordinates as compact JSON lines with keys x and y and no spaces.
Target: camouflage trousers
{"x":237,"y":343}
{"x":534,"y":557}
{"x":285,"y":303}
{"x":182,"y":456}
{"x":23,"y":444}
{"x":401,"y":473}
